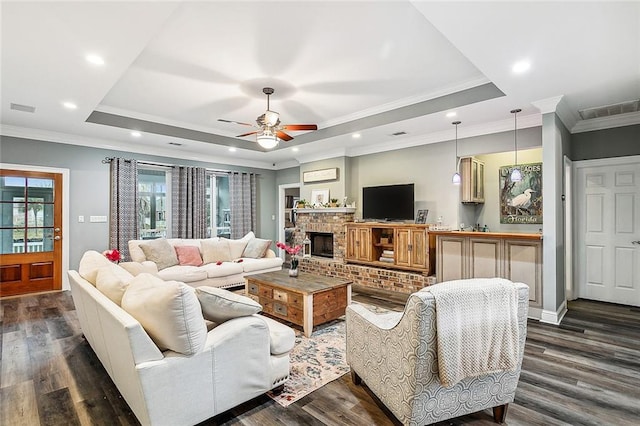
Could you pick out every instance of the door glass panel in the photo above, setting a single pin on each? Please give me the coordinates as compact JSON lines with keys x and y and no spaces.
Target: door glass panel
{"x":11,"y":186}
{"x":11,"y":215}
{"x":12,"y":241}
{"x":152,"y":203}
{"x":42,"y":188}
{"x":44,"y":243}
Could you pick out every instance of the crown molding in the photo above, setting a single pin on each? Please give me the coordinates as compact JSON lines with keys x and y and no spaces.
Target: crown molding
{"x":620,"y":120}
{"x":70,"y":139}
{"x":323,"y":155}
{"x":548,"y":105}
{"x":558,"y":105}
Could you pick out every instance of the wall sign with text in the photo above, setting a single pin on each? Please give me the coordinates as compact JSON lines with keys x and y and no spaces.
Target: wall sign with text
{"x":320,"y":175}
{"x":521,"y":202}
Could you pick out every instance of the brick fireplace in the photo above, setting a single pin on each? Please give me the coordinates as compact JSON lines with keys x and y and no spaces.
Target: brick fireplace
{"x":331,"y":221}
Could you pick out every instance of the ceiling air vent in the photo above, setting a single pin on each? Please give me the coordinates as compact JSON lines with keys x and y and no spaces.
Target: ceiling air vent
{"x":23,"y":108}
{"x":609,"y":110}
{"x":175,"y":143}
{"x":398,"y":133}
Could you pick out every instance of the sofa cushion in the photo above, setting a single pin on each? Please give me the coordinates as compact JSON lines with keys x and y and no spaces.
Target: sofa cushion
{"x":188,"y":255}
{"x":227,"y":268}
{"x":220,"y":305}
{"x":112,"y":281}
{"x":215,"y":251}
{"x":135,"y":252}
{"x":137,"y":268}
{"x":160,"y":252}
{"x":186,"y":274}
{"x":256,"y":248}
{"x":252,"y":265}
{"x":281,"y":337}
{"x":236,"y":248}
{"x":169,"y":311}
{"x":90,"y":263}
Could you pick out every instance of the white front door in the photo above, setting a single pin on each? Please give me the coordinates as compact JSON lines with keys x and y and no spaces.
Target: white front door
{"x":608,"y":230}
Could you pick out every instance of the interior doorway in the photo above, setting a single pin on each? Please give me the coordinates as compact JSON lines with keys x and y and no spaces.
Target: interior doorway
{"x":608,"y":229}
{"x":288,"y":195}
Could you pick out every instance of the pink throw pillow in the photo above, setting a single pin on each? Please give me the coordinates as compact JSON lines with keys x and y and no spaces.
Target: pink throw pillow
{"x":189,"y":255}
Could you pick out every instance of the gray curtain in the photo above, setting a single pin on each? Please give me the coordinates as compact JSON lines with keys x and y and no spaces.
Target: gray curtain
{"x":123,"y":223}
{"x":188,"y":202}
{"x":242,"y":189}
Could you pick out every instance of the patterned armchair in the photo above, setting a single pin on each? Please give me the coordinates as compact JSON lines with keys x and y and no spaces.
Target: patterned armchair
{"x":395,"y":354}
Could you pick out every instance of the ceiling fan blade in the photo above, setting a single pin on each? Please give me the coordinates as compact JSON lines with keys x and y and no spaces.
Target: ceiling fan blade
{"x":235,"y":122}
{"x":300,"y":126}
{"x":246,"y":134}
{"x":282,"y":135}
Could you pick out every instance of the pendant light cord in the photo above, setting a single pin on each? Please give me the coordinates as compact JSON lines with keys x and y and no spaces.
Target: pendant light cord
{"x":515,"y":132}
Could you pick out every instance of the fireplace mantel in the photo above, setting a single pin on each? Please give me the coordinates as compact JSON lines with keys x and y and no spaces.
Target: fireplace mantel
{"x":327,"y":210}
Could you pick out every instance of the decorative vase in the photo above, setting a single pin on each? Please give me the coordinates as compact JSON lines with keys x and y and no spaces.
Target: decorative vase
{"x":293,"y":272}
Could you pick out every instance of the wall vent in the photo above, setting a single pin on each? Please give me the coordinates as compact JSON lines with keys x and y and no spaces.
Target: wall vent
{"x":609,"y":110}
{"x":175,"y":143}
{"x":398,"y":133}
{"x":23,"y":108}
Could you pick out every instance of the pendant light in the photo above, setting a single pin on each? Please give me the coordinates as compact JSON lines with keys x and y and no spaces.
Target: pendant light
{"x":516,"y":175}
{"x":456,"y":176}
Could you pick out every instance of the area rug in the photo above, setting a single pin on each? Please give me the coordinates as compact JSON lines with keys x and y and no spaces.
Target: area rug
{"x":315,"y":361}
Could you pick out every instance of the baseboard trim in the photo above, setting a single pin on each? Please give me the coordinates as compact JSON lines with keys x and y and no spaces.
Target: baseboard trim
{"x":551,"y":317}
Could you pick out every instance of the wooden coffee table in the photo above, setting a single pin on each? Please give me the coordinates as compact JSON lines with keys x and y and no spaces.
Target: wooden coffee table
{"x":307,"y":300}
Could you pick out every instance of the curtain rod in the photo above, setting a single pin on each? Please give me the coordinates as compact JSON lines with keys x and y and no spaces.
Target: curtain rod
{"x":149,"y":163}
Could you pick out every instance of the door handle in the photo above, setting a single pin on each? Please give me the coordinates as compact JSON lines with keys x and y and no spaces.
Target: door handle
{"x":57,"y":237}
{"x":56,"y":229}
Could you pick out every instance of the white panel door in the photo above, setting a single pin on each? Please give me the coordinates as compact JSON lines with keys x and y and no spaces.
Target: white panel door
{"x":608,"y":231}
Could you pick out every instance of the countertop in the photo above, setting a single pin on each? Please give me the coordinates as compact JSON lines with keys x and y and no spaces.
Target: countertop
{"x":516,"y":235}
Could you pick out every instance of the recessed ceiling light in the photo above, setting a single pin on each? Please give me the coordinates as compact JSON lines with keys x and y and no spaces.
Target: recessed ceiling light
{"x":69,"y":105}
{"x":356,"y":135}
{"x":94,"y":59}
{"x":136,"y":134}
{"x":521,"y":66}
{"x":295,"y":149}
{"x":451,"y":114}
{"x":232,"y":149}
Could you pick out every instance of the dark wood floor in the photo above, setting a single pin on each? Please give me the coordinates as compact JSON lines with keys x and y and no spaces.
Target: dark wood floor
{"x":587,"y":371}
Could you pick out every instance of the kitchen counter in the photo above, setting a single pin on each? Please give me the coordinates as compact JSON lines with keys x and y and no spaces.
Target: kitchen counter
{"x":509,"y":235}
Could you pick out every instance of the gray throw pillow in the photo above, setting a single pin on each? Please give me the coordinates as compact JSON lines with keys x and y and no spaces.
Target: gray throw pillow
{"x":219,"y":305}
{"x":160,"y":252}
{"x":256,"y":248}
{"x":215,"y":250}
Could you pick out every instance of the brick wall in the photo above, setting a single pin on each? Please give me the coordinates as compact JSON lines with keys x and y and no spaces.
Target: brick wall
{"x":334,"y":222}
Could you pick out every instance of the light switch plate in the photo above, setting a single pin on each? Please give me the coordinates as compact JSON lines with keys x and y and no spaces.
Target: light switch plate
{"x":80,"y":219}
{"x":97,"y":219}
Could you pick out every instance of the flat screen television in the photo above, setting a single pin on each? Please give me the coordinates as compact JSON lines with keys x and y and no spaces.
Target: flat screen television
{"x":389,"y":202}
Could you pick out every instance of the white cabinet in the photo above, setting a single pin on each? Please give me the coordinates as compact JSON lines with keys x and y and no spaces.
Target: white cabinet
{"x":483,"y":255}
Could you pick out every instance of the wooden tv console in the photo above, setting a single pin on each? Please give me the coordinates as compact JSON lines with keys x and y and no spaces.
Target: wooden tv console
{"x":403,"y":246}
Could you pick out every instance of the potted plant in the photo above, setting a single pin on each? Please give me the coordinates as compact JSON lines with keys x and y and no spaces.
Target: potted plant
{"x":333,"y":202}
{"x":301,"y":204}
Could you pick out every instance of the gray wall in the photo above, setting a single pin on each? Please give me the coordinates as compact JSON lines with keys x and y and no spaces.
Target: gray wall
{"x":616,"y":142}
{"x":89,"y":186}
{"x":337,"y":188}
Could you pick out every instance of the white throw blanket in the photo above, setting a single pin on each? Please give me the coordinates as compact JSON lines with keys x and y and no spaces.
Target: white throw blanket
{"x":477,"y":327}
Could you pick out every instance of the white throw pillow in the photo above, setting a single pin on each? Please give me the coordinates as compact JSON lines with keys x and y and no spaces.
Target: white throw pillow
{"x":215,"y":250}
{"x":161,"y":252}
{"x":169,"y":311}
{"x":236,"y":248}
{"x":256,"y":248}
{"x":112,"y":281}
{"x":220,"y":305}
{"x":90,"y":263}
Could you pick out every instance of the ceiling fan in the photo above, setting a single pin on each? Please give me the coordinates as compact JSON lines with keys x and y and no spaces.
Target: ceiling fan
{"x":270,"y":130}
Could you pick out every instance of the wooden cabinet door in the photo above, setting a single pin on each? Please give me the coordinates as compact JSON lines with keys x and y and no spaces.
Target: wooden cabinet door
{"x":451,"y":258}
{"x":363,"y":244}
{"x":352,"y":243}
{"x":402,"y":239}
{"x":485,"y":258}
{"x":419,"y":248}
{"x":523,"y":263}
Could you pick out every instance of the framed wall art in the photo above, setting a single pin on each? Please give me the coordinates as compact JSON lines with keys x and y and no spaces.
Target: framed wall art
{"x":319,"y":197}
{"x":521,"y":202}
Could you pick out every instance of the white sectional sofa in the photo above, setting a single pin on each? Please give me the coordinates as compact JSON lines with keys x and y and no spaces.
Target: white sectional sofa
{"x":222,"y":366}
{"x":222,"y":267}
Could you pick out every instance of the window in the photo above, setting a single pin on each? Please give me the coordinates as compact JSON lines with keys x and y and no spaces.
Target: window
{"x":153,"y":203}
{"x":218,"y":202}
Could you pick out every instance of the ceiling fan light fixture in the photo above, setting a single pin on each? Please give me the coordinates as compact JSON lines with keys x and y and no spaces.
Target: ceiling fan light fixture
{"x":267,"y":140}
{"x":271,"y":118}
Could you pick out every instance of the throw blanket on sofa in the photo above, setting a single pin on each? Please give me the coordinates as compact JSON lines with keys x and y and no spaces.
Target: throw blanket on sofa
{"x":477,"y":328}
